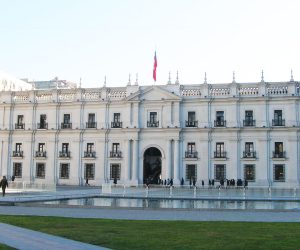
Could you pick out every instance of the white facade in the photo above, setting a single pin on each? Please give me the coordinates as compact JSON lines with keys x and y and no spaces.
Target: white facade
{"x":207,"y":131}
{"x":10,"y":83}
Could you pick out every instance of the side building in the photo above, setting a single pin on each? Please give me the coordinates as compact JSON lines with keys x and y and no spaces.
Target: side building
{"x":134,"y":134}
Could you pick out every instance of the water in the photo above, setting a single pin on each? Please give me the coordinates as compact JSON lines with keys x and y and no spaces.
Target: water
{"x":264,"y":193}
{"x":178,"y":204}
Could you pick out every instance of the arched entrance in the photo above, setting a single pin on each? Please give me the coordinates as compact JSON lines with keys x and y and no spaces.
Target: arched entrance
{"x":152,"y":165}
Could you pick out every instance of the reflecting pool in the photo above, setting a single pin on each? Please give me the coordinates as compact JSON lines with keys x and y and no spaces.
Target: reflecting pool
{"x":177,"y":203}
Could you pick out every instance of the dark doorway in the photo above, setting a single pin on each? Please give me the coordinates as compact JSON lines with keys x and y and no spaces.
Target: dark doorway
{"x":152,"y":166}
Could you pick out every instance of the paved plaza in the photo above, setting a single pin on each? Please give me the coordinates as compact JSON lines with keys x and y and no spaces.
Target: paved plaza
{"x":13,"y":204}
{"x":21,"y":238}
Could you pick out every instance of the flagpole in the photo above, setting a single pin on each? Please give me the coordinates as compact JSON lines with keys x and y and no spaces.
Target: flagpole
{"x":155,"y":63}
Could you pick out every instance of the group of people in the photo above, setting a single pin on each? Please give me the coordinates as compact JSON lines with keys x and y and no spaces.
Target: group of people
{"x":192,"y":182}
{"x":232,"y":183}
{"x":166,"y":182}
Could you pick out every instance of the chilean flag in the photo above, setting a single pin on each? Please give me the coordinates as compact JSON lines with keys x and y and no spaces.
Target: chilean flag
{"x":154,"y":67}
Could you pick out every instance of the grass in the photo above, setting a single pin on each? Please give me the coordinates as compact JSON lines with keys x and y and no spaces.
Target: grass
{"x":126,"y":234}
{"x":2,"y":246}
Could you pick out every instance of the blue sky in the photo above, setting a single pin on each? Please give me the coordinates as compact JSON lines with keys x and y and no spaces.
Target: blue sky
{"x":89,"y":39}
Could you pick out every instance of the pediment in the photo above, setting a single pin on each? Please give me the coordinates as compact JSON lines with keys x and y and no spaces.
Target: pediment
{"x":153,"y":93}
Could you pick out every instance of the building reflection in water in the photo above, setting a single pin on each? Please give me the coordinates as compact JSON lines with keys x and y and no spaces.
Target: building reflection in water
{"x":178,"y":204}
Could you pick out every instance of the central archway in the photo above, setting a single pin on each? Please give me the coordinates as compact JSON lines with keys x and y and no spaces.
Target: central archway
{"x":152,"y":165}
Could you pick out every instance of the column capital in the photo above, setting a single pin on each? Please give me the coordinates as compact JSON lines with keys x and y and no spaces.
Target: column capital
{"x":132,"y":139}
{"x":173,"y":139}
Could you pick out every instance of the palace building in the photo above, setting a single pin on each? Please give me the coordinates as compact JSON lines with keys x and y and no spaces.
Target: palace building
{"x":134,"y":134}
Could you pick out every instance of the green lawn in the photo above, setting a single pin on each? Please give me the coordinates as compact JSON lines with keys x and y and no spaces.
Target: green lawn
{"x":2,"y":246}
{"x":126,"y":234}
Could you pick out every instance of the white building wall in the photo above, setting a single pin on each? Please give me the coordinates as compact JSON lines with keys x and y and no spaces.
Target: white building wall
{"x":172,"y":104}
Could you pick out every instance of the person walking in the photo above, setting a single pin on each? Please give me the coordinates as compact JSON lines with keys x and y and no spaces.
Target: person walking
{"x":182,"y":181}
{"x":4,"y":185}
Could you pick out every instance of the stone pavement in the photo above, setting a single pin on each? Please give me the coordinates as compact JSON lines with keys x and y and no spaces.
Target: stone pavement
{"x":21,"y":238}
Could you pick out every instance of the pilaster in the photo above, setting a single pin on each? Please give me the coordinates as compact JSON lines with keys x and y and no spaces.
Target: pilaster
{"x":176,"y":163}
{"x":169,"y":159}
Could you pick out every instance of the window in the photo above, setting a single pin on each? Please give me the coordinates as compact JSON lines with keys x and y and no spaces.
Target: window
{"x":117,"y":117}
{"x":65,"y":150}
{"x":277,"y":114}
{"x":91,"y":118}
{"x":220,"y":153}
{"x":116,"y":147}
{"x":220,"y":172}
{"x":279,"y":172}
{"x":43,"y":124}
{"x":191,"y":147}
{"x":66,"y":121}
{"x":117,"y":121}
{"x":89,"y":171}
{"x":278,"y":147}
{"x":17,"y":169}
{"x":18,"y":147}
{"x":153,"y":122}
{"x":249,"y":150}
{"x":249,"y":172}
{"x":65,"y":147}
{"x":91,"y":121}
{"x":153,"y":117}
{"x":191,"y":150}
{"x":278,"y":121}
{"x":40,"y":170}
{"x":191,"y":116}
{"x":115,"y":150}
{"x":219,"y":122}
{"x":249,"y":114}
{"x":20,"y":124}
{"x":115,"y":171}
{"x":191,"y":172}
{"x":41,"y":150}
{"x":220,"y":115}
{"x":249,"y":118}
{"x":90,"y":150}
{"x":279,"y":153}
{"x":20,"y":119}
{"x":64,"y":171}
{"x":249,"y":147}
{"x":191,"y":122}
{"x":18,"y":150}
{"x":67,"y":118}
{"x":90,"y":147}
{"x":41,"y":147}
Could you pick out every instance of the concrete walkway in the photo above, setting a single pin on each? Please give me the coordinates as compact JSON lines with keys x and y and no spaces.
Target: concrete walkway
{"x":21,"y":238}
{"x":156,"y":214}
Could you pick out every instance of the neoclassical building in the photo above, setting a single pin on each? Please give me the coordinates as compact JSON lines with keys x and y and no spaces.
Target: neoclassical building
{"x":137,"y":133}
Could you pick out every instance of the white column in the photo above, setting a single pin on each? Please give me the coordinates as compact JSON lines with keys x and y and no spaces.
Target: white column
{"x":135,"y":160}
{"x":127,"y":170}
{"x":169,"y":162}
{"x":130,"y":115}
{"x":176,"y":113}
{"x":176,"y":162}
{"x":135,"y":115}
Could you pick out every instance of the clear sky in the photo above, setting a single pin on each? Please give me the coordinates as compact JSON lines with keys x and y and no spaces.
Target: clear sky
{"x":88,"y":39}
